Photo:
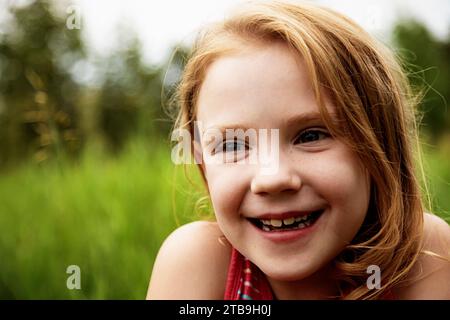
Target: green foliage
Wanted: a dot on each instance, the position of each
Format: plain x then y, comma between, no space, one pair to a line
44,111
37,95
428,62
130,99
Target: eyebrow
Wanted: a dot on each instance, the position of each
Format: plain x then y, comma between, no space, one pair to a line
294,120
303,118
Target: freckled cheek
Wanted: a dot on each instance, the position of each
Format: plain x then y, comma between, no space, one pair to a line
227,186
343,185
340,181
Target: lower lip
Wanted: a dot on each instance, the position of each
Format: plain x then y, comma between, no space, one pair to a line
288,235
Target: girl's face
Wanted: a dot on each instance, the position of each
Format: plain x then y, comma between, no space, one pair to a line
320,190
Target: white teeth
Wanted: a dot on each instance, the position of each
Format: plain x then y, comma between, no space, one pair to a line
276,223
304,221
302,218
288,221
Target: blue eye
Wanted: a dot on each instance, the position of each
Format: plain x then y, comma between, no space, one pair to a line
233,146
313,135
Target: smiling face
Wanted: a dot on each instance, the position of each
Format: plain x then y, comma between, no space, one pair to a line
267,87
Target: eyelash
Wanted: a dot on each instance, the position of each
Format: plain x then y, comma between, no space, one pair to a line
316,131
234,143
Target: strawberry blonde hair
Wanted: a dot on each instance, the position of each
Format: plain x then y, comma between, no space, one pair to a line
375,111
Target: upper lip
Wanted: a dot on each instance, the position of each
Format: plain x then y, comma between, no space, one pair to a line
284,215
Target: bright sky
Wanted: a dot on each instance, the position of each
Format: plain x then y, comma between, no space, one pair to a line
159,24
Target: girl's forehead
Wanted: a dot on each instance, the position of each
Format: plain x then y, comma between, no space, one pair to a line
261,85
255,67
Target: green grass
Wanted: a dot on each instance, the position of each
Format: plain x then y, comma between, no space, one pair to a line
109,216
437,169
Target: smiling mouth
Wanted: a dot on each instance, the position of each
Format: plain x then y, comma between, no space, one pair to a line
277,225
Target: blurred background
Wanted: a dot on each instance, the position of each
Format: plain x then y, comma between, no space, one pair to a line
85,172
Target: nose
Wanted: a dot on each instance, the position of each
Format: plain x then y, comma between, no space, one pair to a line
287,179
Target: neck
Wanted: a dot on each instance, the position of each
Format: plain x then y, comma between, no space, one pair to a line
319,285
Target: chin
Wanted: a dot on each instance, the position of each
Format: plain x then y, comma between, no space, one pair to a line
294,273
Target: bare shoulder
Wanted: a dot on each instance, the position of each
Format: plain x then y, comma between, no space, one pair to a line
192,263
430,276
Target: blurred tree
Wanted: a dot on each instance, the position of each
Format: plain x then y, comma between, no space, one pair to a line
130,98
135,98
428,61
37,94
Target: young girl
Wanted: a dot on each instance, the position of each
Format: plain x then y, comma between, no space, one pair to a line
342,217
